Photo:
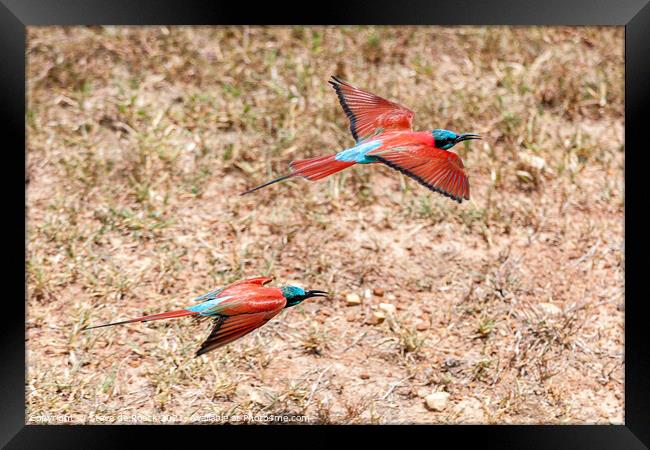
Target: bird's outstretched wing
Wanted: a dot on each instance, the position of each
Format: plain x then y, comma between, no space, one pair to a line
439,170
228,329
368,112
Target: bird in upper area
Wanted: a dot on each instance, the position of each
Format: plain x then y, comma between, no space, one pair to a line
383,134
237,309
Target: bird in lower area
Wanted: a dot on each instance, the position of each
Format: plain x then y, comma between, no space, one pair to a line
237,309
383,134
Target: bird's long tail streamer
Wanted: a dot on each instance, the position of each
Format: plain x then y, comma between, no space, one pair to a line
313,169
167,315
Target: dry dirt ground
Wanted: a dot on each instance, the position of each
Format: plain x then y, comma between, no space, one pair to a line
140,139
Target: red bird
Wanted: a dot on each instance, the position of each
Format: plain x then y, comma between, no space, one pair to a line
237,309
383,134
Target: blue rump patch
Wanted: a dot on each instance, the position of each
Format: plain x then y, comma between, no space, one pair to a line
207,308
358,153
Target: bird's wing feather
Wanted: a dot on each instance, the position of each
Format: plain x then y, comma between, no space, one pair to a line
260,281
233,303
209,295
228,329
368,112
439,170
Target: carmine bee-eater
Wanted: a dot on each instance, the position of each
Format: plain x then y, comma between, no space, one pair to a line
237,309
383,134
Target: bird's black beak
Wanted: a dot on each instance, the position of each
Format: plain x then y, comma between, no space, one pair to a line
315,293
467,137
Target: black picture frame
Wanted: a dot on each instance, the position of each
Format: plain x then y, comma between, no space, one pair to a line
16,15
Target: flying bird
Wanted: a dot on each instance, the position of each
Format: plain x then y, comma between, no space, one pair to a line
236,309
383,134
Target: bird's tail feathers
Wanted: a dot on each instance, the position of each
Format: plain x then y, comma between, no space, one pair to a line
167,315
277,180
320,167
313,169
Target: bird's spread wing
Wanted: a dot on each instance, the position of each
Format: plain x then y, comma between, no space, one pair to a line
227,329
368,112
439,170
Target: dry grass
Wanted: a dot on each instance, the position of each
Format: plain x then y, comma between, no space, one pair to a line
140,139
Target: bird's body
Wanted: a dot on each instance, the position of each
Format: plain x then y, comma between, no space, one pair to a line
237,309
383,134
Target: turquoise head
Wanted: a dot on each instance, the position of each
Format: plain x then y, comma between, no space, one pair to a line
445,139
296,295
